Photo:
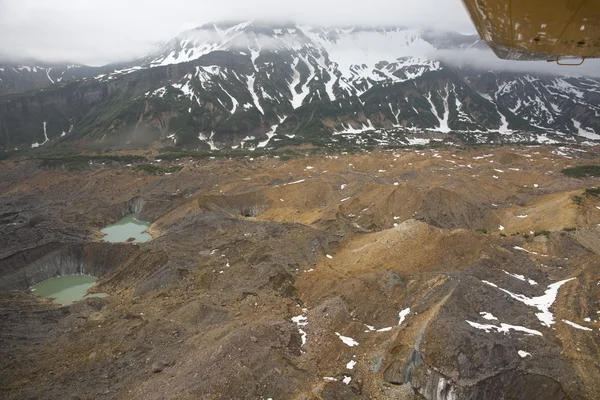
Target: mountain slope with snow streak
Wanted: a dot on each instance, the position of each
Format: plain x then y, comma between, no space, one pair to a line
339,86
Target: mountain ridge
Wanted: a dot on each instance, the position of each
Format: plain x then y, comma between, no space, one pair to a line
256,85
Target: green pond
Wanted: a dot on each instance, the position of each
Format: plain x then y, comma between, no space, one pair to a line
67,289
127,228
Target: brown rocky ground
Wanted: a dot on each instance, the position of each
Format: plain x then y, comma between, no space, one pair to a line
347,242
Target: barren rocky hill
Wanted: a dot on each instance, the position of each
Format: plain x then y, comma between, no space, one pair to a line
450,273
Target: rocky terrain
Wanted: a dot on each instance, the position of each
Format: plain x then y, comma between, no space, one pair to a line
449,273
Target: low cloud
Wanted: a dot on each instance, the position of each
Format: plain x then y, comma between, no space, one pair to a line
96,32
486,60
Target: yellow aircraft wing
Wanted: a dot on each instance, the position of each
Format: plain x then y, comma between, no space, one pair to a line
538,29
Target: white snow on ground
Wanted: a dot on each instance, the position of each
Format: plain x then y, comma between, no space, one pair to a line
488,316
233,100
525,250
46,140
303,337
45,134
244,140
347,340
522,216
347,379
560,153
564,86
209,140
270,135
542,303
48,74
524,354
371,328
504,129
311,75
298,98
444,128
189,92
589,134
504,328
402,315
329,86
417,141
293,183
296,101
501,228
545,139
349,130
370,48
254,95
521,278
351,364
328,256
254,55
115,73
160,92
574,325
301,320
329,378
345,199
187,54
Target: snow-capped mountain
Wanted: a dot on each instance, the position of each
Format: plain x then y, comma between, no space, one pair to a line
263,85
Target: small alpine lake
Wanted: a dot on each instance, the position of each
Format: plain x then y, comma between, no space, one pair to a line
66,290
126,229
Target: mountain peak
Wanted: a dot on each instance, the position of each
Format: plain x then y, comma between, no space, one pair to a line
257,83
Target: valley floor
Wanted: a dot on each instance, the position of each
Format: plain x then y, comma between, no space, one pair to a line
410,274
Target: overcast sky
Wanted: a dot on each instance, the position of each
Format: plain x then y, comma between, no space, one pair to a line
100,31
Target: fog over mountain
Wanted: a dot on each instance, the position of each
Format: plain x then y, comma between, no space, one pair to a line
98,32
485,59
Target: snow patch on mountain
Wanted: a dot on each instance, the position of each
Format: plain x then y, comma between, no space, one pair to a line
542,303
255,98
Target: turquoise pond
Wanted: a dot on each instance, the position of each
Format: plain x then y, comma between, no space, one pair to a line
126,228
66,290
